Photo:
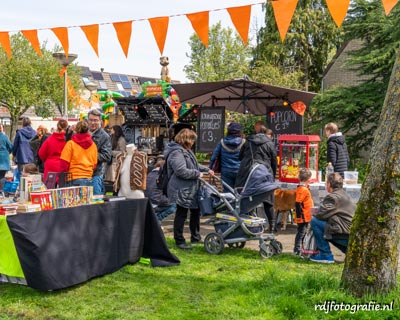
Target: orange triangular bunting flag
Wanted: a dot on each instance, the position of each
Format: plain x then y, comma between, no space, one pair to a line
5,43
62,35
160,29
388,5
92,34
338,10
124,31
199,23
62,71
284,11
240,17
32,37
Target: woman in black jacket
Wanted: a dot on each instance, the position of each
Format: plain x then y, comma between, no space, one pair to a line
259,149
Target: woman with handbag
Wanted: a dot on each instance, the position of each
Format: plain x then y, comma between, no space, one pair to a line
183,172
225,158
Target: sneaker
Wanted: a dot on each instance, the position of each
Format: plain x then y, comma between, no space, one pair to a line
184,246
322,259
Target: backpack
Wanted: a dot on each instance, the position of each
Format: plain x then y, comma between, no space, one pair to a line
162,179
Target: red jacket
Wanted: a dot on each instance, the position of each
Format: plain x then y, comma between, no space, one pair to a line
50,152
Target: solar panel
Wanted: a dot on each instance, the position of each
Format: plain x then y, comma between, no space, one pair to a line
126,85
123,78
97,75
115,77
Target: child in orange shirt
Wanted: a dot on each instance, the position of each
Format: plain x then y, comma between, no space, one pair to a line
304,203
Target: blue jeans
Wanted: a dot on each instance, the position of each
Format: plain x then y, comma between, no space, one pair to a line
82,182
229,178
163,212
98,184
318,227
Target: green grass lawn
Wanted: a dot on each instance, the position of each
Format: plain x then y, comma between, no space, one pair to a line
235,285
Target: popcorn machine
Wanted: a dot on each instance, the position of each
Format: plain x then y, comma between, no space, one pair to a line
295,152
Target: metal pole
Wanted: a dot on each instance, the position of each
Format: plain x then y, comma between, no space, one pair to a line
65,96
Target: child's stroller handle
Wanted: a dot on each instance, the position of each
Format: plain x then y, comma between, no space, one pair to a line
227,186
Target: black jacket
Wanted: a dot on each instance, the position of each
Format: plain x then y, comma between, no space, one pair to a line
337,152
257,149
104,152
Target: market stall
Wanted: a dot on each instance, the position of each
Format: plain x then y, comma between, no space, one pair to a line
56,249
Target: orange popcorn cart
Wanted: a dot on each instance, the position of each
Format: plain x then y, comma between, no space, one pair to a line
295,152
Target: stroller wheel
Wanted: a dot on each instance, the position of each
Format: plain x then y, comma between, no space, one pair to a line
277,245
237,245
214,243
266,250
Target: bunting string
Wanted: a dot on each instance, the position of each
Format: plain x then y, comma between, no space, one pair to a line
240,16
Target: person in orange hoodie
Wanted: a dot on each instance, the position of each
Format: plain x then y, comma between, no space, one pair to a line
304,203
79,156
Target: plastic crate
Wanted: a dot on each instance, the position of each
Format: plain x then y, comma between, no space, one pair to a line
10,186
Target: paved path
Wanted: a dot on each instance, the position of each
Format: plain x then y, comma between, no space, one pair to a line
286,237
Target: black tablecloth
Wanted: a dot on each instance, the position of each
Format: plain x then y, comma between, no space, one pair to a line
64,247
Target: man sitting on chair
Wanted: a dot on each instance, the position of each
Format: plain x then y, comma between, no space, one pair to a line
333,220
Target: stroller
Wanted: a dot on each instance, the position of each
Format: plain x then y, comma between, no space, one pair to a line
235,221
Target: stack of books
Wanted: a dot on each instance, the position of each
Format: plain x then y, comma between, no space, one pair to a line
28,207
97,199
114,198
8,209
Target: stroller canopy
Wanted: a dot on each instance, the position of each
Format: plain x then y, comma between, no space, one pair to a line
259,181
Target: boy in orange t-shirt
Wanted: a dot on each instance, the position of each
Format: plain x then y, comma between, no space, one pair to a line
304,203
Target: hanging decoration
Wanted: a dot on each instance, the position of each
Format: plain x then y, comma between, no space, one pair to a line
388,5
240,16
284,11
32,37
338,10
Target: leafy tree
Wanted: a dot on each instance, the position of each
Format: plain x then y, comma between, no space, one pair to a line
357,108
226,57
29,80
311,38
372,257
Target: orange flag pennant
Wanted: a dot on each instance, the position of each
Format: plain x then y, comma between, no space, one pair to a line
62,71
338,10
32,37
124,31
388,5
160,28
5,43
92,34
62,35
240,17
284,11
199,21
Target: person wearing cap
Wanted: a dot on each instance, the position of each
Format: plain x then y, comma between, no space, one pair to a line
227,152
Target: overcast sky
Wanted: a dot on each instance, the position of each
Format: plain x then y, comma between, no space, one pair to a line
143,59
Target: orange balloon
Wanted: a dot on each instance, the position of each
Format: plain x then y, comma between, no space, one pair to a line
299,107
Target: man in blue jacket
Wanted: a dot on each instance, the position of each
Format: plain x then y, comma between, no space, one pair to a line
22,151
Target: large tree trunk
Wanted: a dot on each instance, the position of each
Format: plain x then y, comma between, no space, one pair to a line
373,252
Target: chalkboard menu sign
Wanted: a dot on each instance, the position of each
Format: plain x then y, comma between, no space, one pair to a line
131,115
156,112
284,121
210,128
141,110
